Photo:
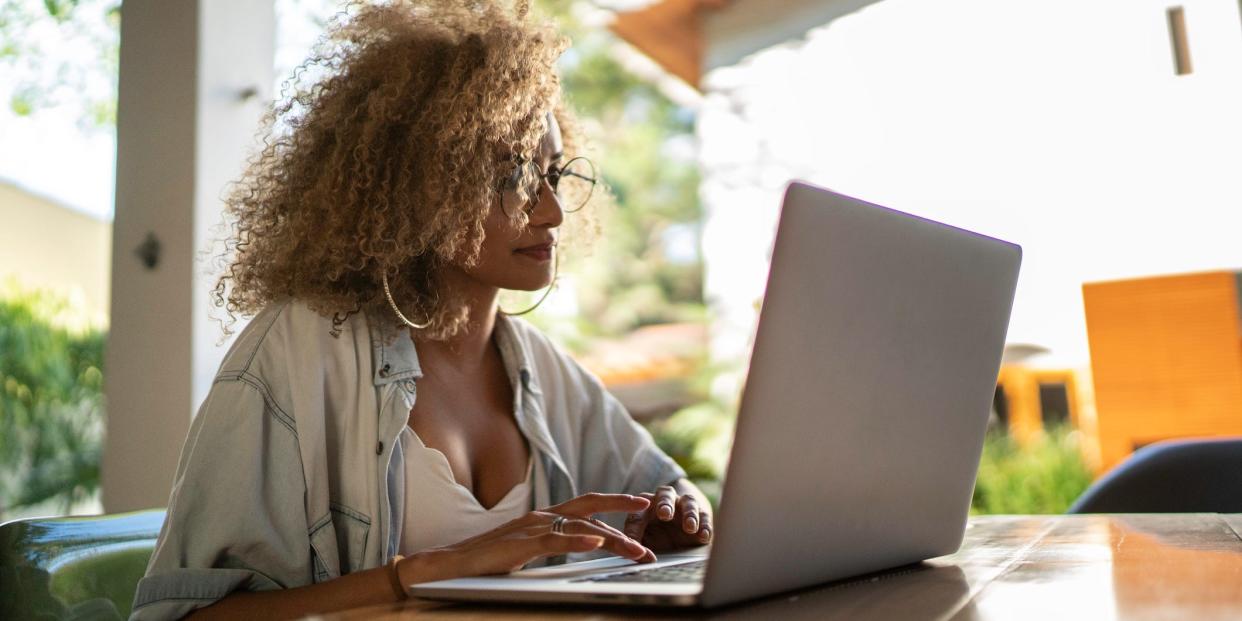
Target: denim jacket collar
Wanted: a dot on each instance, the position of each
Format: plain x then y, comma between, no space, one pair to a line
517,358
395,358
392,351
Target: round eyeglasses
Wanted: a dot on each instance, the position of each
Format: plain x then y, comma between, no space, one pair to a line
574,182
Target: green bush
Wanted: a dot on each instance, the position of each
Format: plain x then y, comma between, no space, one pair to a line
1045,477
51,402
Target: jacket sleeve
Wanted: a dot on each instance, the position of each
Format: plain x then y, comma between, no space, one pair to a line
236,516
616,453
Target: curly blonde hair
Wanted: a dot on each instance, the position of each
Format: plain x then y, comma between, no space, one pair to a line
387,162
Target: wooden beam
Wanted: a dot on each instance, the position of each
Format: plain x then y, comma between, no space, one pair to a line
669,32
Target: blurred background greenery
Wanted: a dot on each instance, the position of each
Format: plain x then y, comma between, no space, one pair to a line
642,265
1043,477
643,270
51,404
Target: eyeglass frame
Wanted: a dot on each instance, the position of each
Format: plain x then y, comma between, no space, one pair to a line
556,172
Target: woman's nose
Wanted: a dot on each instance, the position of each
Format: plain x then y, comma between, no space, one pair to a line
547,209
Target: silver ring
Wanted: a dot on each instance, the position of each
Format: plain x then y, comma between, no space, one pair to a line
558,524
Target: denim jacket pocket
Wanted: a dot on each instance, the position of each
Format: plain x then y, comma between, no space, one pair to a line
338,542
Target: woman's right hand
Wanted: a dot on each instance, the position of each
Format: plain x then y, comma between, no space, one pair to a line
529,537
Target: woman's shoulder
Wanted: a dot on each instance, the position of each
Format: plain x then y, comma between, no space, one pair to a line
291,330
543,357
534,345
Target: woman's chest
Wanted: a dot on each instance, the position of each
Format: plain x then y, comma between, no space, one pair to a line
476,432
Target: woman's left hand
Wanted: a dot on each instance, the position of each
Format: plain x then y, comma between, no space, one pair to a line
678,517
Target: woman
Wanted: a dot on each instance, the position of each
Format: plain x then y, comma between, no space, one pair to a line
380,421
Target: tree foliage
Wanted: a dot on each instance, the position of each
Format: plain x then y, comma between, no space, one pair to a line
644,266
51,403
42,44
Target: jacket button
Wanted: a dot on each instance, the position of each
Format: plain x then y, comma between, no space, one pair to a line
384,371
379,448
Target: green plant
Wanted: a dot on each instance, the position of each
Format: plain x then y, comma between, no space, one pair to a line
51,401
1044,477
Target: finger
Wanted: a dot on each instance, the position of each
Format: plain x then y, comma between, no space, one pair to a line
586,505
647,557
665,503
636,524
614,540
526,549
688,511
705,527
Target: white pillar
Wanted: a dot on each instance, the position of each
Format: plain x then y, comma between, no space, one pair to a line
194,78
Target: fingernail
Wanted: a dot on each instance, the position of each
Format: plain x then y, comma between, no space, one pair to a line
692,525
665,512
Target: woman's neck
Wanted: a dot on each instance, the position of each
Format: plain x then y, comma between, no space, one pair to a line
468,348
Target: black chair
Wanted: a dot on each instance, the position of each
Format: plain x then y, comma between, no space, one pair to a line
1176,476
74,567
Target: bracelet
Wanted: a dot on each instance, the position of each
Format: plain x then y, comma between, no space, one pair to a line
395,579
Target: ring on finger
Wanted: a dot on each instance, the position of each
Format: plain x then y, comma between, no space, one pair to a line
558,524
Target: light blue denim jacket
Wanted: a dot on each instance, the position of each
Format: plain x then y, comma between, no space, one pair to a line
292,474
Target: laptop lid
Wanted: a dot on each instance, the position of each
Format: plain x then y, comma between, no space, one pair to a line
863,415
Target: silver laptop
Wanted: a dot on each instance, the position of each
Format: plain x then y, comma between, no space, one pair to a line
861,423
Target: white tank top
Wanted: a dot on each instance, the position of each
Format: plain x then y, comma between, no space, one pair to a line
438,510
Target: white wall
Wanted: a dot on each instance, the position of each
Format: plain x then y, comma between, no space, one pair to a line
46,244
182,133
1057,124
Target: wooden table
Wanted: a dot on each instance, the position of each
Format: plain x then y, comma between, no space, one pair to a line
1186,566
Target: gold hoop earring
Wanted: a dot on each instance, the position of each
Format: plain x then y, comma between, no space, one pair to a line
393,304
556,273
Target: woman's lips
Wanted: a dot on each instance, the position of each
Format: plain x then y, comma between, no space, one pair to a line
540,252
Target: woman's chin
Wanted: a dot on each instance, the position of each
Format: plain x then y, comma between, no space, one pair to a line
531,286
531,283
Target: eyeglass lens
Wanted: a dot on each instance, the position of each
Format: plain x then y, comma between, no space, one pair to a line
573,182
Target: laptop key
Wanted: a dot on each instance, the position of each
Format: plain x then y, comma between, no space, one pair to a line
688,572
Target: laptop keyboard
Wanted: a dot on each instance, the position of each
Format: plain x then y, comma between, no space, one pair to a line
687,572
